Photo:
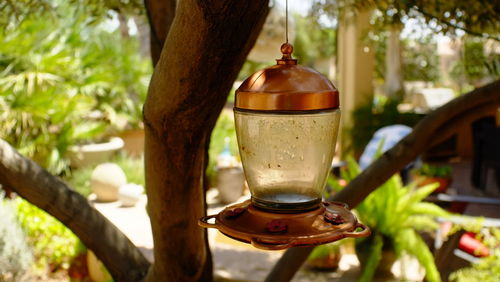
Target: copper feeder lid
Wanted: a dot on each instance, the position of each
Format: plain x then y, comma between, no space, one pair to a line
287,86
244,222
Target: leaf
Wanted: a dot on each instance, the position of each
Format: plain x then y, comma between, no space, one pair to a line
352,171
408,240
421,223
374,256
428,209
416,195
88,130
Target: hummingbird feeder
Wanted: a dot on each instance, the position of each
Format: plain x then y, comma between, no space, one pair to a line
287,119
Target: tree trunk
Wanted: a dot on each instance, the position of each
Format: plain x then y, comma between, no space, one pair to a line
124,261
204,50
393,85
433,129
160,14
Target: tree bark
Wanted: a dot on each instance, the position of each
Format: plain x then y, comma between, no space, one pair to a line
434,128
204,50
160,14
124,261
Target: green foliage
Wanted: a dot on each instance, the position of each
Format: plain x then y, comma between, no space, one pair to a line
313,41
420,61
374,257
397,213
223,128
478,18
475,62
473,59
79,180
133,168
15,255
488,268
15,12
53,243
368,118
434,170
65,81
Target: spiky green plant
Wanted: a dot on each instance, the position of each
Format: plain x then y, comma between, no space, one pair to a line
397,213
53,243
64,80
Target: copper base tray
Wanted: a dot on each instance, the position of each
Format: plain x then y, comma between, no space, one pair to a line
330,222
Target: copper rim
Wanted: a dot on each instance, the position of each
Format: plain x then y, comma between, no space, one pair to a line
271,231
287,101
287,86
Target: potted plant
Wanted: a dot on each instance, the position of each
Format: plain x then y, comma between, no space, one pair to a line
428,174
94,153
488,265
395,214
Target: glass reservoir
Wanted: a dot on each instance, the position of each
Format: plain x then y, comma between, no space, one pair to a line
287,118
287,157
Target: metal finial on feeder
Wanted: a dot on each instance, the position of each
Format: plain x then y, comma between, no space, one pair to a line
286,59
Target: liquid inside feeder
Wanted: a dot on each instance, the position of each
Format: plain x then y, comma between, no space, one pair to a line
287,157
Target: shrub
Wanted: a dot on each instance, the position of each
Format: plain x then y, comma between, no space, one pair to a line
64,81
15,254
54,245
434,171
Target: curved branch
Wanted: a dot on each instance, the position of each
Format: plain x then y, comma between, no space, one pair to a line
434,127
455,26
422,136
124,260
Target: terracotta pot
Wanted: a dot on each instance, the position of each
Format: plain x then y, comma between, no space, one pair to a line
133,141
230,183
444,182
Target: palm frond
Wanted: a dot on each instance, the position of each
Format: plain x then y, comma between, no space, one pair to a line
421,223
428,209
416,195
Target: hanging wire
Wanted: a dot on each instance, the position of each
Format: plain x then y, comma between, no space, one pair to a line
286,21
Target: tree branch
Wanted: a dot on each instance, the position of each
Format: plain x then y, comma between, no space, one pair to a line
435,126
160,14
124,260
455,26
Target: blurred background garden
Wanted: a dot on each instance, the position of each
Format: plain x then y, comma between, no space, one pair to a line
74,77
